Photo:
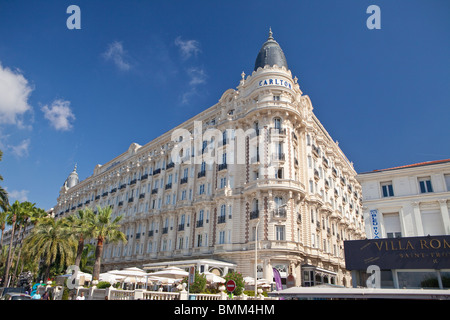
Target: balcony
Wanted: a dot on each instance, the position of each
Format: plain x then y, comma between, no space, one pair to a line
123,186
316,174
104,194
221,219
278,157
97,197
150,233
184,180
315,150
199,224
156,171
142,196
279,213
120,203
133,182
201,174
113,190
325,162
222,166
130,200
181,227
155,191
254,214
170,165
144,177
165,230
169,186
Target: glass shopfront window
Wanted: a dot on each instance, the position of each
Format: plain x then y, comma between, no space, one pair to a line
445,278
418,279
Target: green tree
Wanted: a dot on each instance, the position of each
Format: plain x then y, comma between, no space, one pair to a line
199,284
4,203
238,279
104,229
13,212
3,216
51,243
81,228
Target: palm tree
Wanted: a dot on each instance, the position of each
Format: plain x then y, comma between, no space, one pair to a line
104,229
50,241
29,214
4,203
3,216
80,227
13,212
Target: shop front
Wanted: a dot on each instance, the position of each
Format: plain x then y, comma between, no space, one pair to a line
401,263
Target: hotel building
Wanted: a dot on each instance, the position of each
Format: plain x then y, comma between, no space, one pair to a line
257,168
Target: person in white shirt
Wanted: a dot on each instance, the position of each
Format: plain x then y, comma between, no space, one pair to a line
81,296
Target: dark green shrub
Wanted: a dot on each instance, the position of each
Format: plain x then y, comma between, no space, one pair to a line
238,279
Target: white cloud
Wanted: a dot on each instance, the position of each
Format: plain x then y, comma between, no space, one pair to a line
14,94
188,47
116,54
21,195
21,150
59,114
197,77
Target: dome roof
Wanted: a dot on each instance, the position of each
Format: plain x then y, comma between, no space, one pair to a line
270,54
72,180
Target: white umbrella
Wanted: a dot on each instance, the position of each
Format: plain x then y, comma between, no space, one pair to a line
111,278
161,280
211,277
129,273
132,275
171,272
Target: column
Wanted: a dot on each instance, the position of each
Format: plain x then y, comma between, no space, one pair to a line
445,215
417,219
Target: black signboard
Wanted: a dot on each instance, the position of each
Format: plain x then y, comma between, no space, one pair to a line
431,252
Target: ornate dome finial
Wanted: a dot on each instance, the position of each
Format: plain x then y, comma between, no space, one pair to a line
270,54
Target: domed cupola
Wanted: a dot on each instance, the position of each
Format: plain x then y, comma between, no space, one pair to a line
270,54
72,180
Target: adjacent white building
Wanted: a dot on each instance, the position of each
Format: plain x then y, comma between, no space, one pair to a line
407,201
255,169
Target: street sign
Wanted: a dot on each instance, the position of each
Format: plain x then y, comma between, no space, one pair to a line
230,285
191,275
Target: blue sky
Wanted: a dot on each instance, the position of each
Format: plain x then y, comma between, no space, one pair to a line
136,69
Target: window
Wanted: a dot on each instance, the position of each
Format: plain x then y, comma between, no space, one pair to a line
221,237
202,189
447,181
432,222
279,233
276,98
277,123
223,182
392,225
387,189
425,185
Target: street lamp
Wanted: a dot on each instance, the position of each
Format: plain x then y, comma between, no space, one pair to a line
256,256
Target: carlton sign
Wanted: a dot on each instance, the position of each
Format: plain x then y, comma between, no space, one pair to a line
275,82
431,252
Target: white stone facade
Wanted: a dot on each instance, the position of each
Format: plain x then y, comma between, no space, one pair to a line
410,201
286,175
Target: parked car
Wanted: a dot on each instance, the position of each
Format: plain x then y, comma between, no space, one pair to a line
16,296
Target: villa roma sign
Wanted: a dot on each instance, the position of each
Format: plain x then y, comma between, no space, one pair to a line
432,252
